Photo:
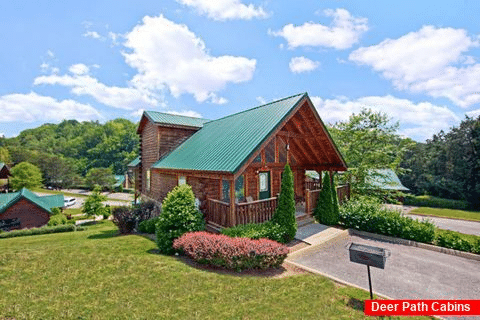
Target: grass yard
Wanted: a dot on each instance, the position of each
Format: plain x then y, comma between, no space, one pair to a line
447,213
96,274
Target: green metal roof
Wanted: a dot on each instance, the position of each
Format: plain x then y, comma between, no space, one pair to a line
173,119
385,179
135,162
44,202
119,179
225,144
1,165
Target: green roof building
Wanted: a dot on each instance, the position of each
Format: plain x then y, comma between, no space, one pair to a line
29,209
235,159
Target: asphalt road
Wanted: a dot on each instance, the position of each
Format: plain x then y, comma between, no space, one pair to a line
463,226
410,272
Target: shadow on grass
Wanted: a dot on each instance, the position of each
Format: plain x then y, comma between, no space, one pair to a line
268,273
356,304
104,234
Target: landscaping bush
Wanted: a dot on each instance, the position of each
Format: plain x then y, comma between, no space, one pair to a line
42,230
56,211
146,210
284,215
268,229
148,226
129,218
429,201
368,215
57,219
231,253
325,211
179,215
124,219
457,241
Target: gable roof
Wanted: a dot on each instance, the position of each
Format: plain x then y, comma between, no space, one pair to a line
225,144
135,162
385,179
4,171
119,179
44,202
173,119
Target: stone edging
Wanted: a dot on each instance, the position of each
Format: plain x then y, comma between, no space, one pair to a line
421,245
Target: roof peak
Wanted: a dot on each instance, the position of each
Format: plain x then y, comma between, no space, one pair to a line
175,115
260,106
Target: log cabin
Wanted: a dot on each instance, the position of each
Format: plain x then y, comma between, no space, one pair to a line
234,164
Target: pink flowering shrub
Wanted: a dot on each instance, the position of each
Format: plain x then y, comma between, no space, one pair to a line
231,253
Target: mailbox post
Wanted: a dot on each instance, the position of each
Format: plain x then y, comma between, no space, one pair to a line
370,256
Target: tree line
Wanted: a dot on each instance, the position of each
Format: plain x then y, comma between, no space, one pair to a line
69,152
447,165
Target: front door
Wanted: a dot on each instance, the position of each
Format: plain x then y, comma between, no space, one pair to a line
264,185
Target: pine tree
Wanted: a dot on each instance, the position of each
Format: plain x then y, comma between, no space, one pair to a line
324,211
285,213
336,209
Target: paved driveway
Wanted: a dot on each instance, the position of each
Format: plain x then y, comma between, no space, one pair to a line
410,272
463,226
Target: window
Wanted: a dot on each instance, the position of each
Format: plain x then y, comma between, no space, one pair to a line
270,152
282,151
147,181
240,189
226,191
263,176
182,180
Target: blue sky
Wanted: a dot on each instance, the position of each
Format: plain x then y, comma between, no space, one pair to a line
418,61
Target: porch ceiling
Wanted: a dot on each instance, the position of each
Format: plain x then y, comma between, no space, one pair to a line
309,142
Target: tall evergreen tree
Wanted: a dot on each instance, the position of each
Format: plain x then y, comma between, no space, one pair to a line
324,211
285,213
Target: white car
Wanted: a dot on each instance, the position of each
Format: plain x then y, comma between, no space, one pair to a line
69,201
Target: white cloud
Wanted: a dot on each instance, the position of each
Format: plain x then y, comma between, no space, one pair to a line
79,69
128,98
92,34
473,113
186,113
50,54
44,67
261,100
425,62
34,107
302,64
222,10
343,33
417,120
169,55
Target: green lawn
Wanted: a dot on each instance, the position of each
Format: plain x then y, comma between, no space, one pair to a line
447,213
96,274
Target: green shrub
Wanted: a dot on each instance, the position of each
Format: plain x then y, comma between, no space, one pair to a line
284,215
106,211
368,215
56,211
57,219
148,226
326,210
42,230
268,229
430,201
179,215
457,241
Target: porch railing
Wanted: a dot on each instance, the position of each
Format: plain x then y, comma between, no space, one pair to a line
311,197
255,211
217,212
313,185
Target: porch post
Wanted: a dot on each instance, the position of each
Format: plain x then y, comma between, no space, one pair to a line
232,219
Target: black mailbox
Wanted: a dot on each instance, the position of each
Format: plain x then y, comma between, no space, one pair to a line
368,255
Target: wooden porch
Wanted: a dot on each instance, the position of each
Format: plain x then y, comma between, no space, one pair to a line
218,212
